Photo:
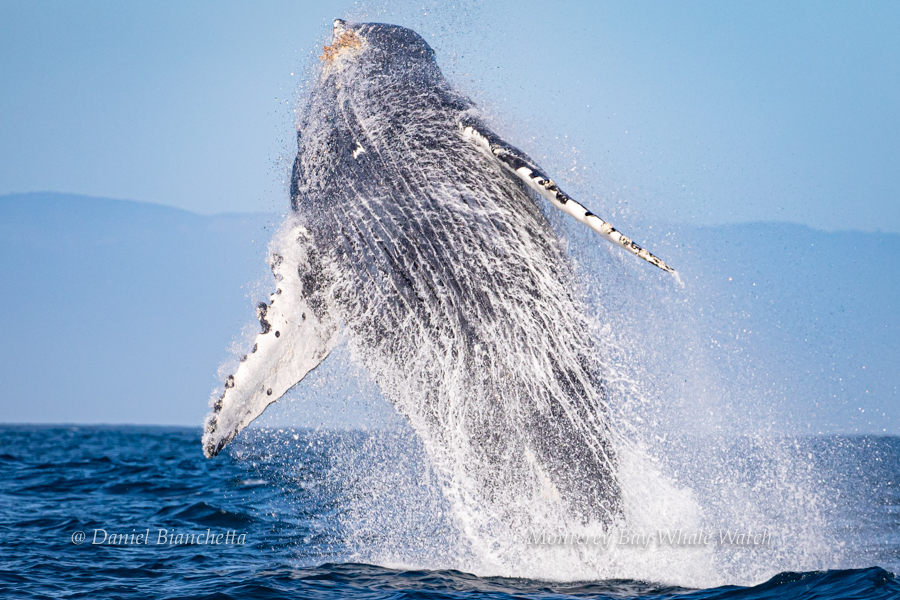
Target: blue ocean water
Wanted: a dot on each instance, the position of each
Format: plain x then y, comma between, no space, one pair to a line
294,514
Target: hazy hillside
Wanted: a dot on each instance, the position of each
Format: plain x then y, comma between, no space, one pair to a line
116,311
807,320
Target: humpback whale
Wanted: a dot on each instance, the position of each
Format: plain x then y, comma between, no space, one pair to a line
418,231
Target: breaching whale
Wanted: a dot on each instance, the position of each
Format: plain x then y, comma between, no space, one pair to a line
417,230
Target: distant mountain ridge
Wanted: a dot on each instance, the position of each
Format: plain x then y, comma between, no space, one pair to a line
116,311
814,316
128,305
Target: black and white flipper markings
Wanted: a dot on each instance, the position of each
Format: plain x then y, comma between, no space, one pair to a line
518,163
297,334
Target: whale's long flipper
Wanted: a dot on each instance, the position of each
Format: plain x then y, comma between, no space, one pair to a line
297,334
517,162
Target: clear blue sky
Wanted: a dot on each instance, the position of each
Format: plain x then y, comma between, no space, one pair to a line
711,112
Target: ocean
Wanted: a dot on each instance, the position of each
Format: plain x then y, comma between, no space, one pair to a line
137,512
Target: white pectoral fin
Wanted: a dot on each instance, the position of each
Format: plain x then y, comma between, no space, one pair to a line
297,335
519,164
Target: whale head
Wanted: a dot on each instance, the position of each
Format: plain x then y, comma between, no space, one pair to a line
377,48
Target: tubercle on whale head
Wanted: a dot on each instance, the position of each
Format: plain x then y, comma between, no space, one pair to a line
390,44
344,40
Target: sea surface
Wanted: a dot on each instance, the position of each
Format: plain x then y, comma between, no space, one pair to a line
298,514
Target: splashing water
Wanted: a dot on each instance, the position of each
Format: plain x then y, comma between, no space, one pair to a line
457,296
535,442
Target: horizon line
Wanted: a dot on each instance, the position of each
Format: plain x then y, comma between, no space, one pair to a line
283,213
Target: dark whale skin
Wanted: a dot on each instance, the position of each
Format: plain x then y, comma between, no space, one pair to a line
418,232
448,275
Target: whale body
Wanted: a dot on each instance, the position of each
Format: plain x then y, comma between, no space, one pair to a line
417,231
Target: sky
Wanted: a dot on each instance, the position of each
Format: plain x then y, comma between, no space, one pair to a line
701,113
677,112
